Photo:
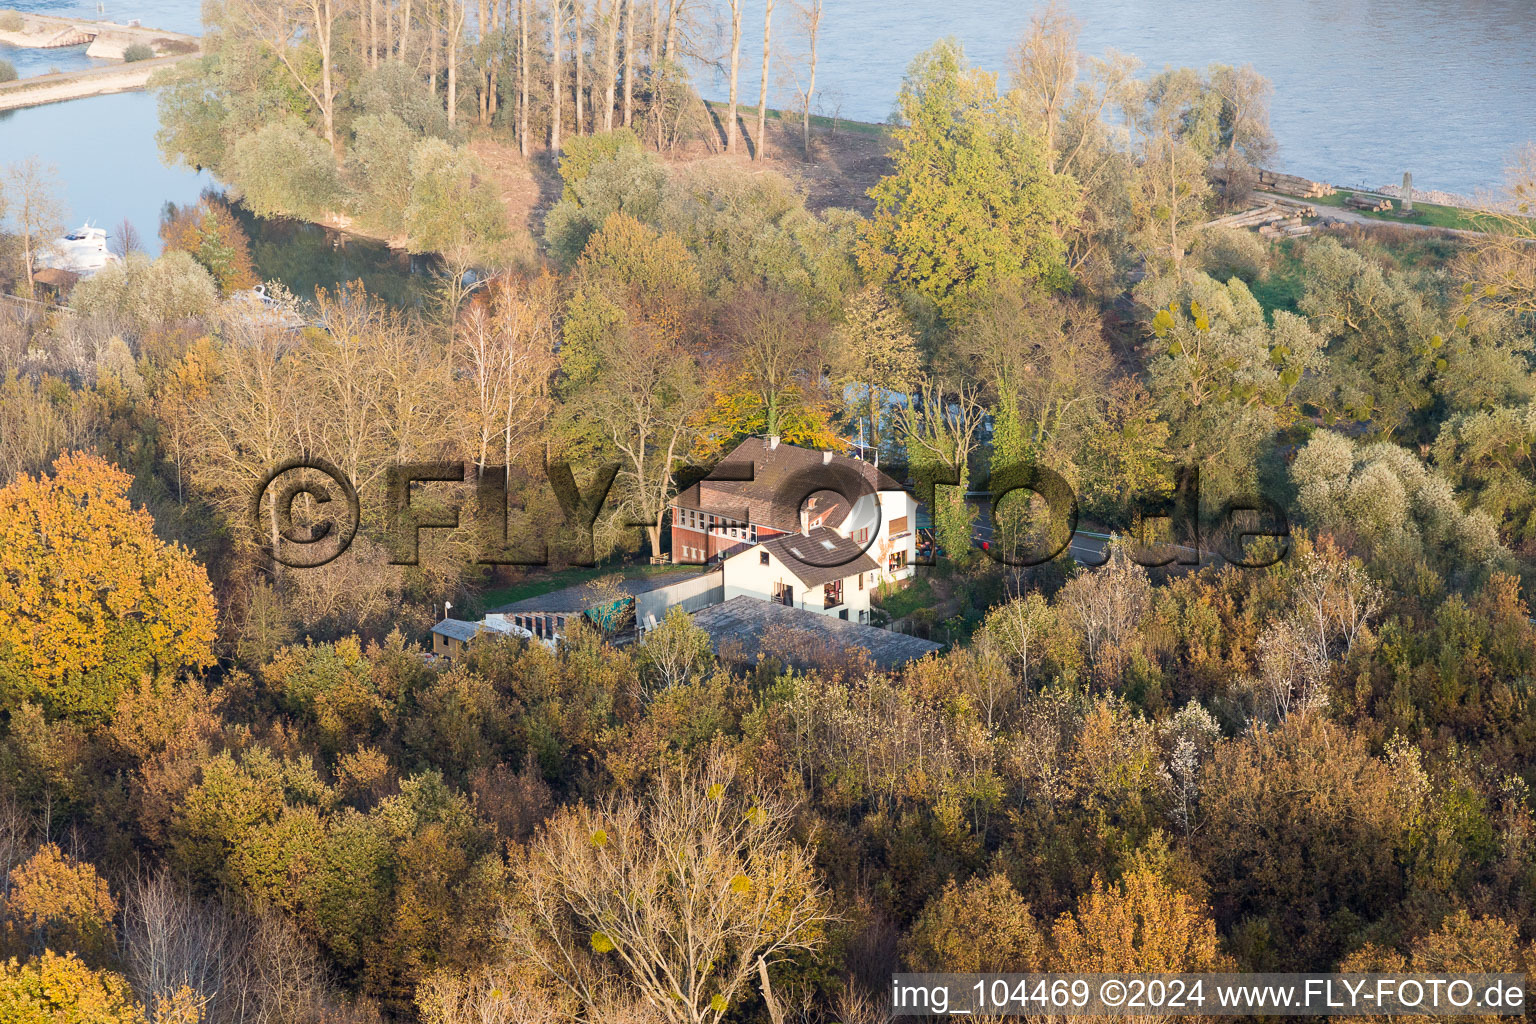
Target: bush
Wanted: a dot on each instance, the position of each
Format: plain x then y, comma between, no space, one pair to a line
284,170
11,21
7,71
1225,253
139,51
139,293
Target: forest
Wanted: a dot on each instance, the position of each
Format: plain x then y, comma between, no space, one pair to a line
235,791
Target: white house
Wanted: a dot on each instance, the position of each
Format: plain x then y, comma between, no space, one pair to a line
766,489
820,571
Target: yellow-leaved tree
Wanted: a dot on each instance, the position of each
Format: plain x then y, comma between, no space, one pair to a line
62,990
91,601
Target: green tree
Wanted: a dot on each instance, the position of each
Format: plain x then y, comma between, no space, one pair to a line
1224,377
453,208
971,200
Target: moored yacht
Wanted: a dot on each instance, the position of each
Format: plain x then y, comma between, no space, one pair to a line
82,251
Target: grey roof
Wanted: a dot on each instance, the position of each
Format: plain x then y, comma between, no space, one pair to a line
571,600
740,623
458,629
783,476
820,556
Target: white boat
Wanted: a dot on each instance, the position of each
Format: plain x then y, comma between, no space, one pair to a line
83,251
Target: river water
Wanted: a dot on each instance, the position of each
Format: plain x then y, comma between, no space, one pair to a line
1364,89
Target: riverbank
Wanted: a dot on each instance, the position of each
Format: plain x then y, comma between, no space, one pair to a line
75,85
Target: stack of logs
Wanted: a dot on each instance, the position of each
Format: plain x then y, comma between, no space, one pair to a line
1277,218
1361,201
1291,184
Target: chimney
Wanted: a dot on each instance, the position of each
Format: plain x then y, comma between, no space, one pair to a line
773,441
805,518
826,458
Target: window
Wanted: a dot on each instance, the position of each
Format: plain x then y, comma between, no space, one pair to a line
762,558
897,561
832,595
861,581
898,526
784,594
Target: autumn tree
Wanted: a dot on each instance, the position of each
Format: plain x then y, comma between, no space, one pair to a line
679,896
941,431
61,989
1289,812
209,232
62,901
90,599
983,926
1175,116
1140,924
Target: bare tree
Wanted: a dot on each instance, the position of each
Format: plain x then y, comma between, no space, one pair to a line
629,62
761,149
732,130
523,8
456,12
1107,605
1044,70
35,209
943,426
810,21
1499,267
556,70
579,17
126,239
611,64
676,896
506,351
644,400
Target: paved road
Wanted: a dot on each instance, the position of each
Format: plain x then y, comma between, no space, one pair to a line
1087,547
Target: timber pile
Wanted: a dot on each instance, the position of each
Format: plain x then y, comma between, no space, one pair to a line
1375,204
1272,212
1292,184
1299,206
1284,228
1257,217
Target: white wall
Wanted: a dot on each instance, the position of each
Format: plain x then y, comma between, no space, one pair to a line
746,576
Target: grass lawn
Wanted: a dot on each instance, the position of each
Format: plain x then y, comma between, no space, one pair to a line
1282,286
898,604
546,583
1424,214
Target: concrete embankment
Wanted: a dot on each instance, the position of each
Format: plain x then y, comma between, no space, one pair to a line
74,85
105,38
